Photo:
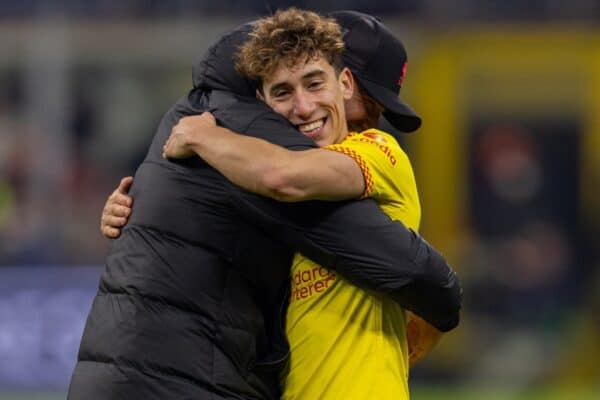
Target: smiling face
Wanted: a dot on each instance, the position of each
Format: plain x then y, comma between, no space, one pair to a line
311,96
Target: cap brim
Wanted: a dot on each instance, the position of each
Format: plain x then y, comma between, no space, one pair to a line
398,113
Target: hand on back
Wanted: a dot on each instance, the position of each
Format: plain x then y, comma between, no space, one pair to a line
186,132
117,209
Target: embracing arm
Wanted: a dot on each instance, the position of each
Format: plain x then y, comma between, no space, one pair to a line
264,168
367,248
364,246
356,238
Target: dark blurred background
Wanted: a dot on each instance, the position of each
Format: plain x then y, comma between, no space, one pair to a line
507,163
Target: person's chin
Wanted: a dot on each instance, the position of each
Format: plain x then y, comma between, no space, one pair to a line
325,136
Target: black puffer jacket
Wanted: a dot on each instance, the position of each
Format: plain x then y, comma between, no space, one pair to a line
190,303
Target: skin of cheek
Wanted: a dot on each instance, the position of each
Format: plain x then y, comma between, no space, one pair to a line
337,111
339,129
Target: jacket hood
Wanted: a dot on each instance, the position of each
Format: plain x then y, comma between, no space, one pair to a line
215,70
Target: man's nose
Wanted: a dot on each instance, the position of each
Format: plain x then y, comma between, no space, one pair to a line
303,105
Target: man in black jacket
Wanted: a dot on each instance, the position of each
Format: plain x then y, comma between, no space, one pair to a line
190,303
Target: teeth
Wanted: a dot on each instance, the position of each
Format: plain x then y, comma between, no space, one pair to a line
312,126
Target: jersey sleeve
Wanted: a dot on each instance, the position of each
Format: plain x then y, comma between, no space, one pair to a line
364,163
387,171
379,157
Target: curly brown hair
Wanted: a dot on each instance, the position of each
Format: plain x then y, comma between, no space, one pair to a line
290,36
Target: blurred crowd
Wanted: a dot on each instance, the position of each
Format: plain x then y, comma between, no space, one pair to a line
63,150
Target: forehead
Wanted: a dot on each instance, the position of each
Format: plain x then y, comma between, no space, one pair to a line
286,74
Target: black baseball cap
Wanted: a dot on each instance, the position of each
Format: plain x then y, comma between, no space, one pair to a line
378,61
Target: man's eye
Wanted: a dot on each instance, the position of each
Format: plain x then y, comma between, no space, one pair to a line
281,94
314,85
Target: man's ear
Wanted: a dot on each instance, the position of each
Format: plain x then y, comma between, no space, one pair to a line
259,95
346,80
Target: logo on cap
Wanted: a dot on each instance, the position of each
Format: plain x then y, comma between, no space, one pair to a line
403,75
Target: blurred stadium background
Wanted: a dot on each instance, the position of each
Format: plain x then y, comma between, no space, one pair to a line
507,161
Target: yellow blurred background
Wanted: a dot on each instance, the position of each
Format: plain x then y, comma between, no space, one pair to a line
507,163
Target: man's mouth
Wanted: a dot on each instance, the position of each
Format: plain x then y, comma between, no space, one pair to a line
312,129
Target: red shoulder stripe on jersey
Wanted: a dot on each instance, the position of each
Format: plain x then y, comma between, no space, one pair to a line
361,163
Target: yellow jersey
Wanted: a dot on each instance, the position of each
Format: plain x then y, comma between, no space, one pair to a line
348,343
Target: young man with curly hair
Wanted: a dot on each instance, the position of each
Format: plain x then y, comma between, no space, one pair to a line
345,342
